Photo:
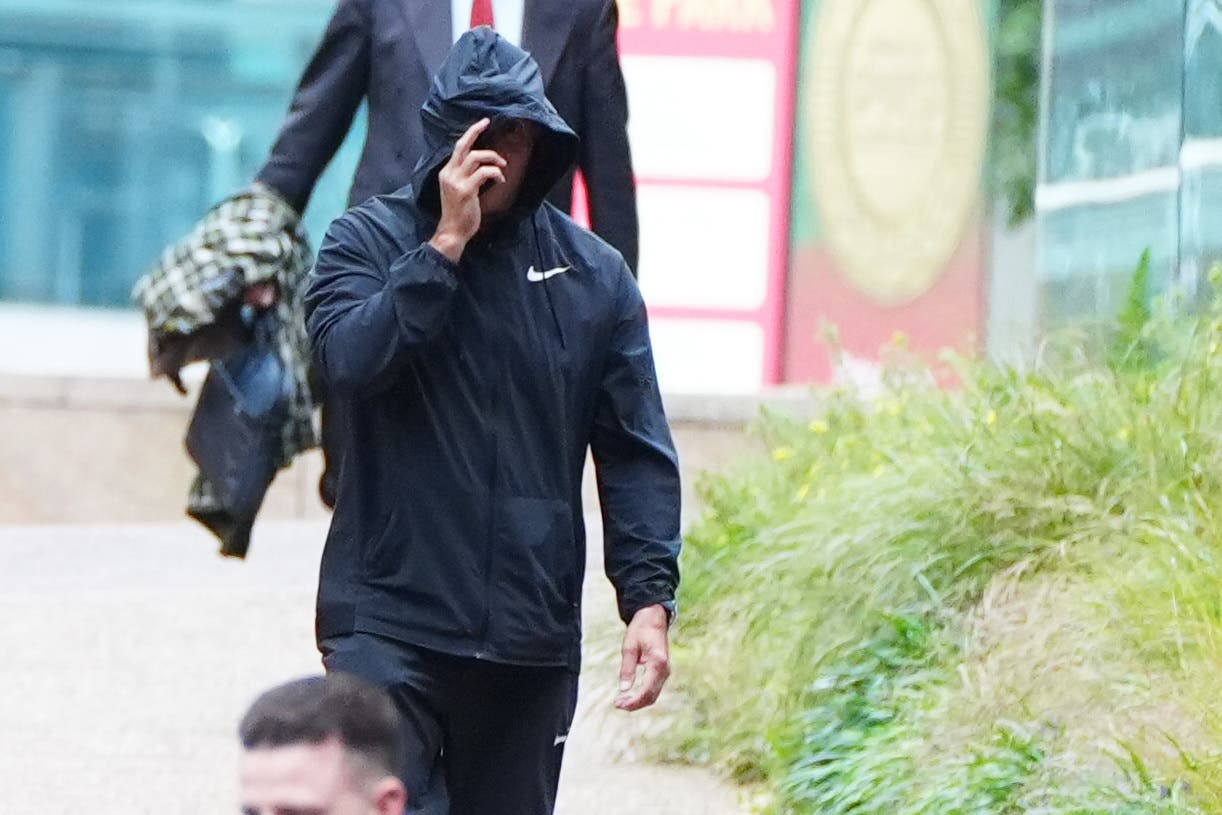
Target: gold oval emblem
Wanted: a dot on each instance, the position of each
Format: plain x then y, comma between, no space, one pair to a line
897,100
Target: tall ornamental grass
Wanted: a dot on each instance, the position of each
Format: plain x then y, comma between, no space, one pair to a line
997,597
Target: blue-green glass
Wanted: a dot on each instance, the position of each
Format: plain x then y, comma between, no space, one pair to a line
122,121
1201,159
1132,154
1112,129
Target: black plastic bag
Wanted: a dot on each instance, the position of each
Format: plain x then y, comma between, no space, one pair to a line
235,436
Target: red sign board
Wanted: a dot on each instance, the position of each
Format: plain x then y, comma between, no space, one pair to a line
711,87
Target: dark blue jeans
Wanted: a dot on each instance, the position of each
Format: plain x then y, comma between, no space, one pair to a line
482,738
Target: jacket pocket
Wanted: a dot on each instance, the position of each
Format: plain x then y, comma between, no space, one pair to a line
425,562
535,578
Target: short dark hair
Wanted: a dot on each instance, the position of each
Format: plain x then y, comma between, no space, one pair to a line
317,708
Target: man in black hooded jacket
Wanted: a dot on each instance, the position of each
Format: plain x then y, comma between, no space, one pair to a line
481,343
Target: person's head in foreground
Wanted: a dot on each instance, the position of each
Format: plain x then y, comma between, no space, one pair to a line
328,745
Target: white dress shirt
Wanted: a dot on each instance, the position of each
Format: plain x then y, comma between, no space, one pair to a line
506,15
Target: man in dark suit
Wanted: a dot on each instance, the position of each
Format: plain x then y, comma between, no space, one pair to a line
387,51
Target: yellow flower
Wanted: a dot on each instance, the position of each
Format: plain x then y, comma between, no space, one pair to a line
899,339
1123,434
991,418
782,453
803,491
819,427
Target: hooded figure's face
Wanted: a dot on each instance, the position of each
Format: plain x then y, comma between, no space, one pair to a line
487,77
514,140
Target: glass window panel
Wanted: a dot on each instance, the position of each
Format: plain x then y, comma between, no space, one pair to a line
1132,150
121,121
1113,125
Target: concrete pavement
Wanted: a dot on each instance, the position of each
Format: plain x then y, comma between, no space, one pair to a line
129,652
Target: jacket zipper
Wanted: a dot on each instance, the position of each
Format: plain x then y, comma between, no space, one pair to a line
493,493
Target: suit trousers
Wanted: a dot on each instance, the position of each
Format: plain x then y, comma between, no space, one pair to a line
483,738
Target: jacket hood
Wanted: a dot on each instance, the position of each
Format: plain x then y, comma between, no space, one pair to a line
485,75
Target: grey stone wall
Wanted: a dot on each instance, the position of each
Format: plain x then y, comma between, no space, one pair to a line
96,451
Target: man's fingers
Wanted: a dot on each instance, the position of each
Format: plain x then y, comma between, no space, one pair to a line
261,295
629,659
472,185
656,673
463,146
477,158
484,175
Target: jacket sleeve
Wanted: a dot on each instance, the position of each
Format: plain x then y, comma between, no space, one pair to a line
366,320
636,466
327,97
605,159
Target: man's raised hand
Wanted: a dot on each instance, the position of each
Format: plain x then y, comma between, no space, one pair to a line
461,180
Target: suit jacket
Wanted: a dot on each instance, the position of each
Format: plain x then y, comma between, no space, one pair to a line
387,51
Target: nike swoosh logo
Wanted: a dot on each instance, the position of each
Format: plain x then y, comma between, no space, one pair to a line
539,277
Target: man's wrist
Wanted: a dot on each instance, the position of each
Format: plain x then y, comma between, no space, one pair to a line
448,244
660,614
268,191
672,611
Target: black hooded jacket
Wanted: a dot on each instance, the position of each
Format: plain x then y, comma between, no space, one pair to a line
471,394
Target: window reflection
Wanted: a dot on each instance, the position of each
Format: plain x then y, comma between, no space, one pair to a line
1132,152
120,123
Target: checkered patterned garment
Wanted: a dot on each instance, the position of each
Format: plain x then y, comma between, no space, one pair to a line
251,238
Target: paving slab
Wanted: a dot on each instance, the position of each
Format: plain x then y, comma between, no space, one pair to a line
130,652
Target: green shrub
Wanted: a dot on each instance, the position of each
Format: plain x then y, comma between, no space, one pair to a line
840,591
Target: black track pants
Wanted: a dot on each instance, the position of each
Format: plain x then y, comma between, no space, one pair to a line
483,738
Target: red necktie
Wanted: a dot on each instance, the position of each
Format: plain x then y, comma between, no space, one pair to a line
481,13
